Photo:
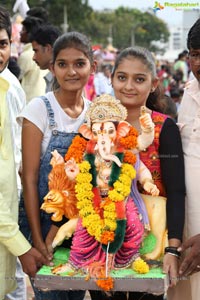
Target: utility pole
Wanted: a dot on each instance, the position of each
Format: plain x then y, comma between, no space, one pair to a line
110,38
133,30
65,24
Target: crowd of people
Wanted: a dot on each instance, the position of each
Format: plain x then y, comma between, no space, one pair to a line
46,90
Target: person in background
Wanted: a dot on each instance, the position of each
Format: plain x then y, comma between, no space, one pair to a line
51,122
169,107
38,12
102,80
31,77
89,91
12,242
181,69
13,66
135,83
176,95
42,43
189,123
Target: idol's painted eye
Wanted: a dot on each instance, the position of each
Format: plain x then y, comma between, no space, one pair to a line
94,133
111,131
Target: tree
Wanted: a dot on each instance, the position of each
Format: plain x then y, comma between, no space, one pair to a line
128,26
139,28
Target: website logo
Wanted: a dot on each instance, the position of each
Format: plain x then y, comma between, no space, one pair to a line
176,5
157,6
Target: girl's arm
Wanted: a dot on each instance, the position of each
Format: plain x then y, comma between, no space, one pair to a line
172,168
31,148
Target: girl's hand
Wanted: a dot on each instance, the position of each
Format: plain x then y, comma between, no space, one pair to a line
170,267
50,237
42,248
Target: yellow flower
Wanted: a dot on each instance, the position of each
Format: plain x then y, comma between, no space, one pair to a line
86,210
91,220
125,179
83,178
110,207
121,188
110,215
84,166
140,266
115,196
110,224
85,195
129,170
82,187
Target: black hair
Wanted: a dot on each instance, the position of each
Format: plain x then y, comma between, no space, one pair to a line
138,52
5,21
145,56
75,40
175,93
38,12
193,40
31,24
45,34
182,55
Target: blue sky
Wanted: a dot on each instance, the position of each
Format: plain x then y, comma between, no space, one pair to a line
169,14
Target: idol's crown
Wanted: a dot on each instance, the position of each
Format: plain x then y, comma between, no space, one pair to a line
105,108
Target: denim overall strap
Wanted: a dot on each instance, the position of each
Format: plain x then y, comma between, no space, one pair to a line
50,112
59,141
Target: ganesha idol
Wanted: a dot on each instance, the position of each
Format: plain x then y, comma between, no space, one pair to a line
95,187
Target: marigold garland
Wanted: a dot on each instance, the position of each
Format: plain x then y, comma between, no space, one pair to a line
130,141
101,228
129,158
76,149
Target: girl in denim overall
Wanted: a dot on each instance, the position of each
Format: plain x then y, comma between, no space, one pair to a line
50,122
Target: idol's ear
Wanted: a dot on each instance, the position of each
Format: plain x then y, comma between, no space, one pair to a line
123,129
85,131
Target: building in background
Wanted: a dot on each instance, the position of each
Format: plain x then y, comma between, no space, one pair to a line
178,35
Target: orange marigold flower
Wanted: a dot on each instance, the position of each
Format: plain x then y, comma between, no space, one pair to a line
105,283
133,131
106,201
129,158
130,141
107,236
77,149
